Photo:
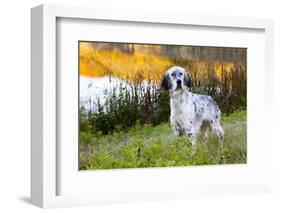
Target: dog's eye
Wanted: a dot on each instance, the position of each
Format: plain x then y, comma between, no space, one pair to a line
180,73
173,74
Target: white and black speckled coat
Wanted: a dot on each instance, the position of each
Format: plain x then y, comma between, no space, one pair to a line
190,113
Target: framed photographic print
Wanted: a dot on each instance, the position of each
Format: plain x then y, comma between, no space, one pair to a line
129,106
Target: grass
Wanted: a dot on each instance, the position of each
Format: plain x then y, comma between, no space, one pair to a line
156,146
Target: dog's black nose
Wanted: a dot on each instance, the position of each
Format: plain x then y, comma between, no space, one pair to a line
178,81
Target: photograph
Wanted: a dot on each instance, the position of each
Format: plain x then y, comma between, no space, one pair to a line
161,105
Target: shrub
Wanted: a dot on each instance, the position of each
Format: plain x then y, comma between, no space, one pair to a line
146,103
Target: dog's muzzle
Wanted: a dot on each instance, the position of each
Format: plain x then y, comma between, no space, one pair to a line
179,84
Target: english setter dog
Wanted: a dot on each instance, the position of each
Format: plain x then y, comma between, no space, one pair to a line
191,113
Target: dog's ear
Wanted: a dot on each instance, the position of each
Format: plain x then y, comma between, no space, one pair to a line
187,81
166,82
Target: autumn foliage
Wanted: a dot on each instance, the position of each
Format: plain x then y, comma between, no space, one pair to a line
136,66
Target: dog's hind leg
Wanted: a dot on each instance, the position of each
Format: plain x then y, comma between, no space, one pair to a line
206,133
217,129
205,130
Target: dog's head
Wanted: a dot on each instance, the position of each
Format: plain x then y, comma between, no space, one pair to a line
176,79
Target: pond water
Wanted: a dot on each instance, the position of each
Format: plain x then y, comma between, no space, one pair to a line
93,89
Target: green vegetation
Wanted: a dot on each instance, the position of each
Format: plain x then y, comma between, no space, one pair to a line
145,145
125,108
127,125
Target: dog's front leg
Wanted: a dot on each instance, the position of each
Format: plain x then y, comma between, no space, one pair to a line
190,133
177,132
192,139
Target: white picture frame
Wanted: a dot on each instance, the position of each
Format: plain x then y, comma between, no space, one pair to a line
45,179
